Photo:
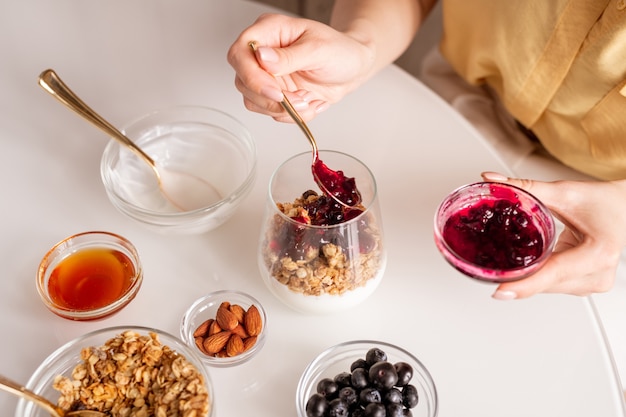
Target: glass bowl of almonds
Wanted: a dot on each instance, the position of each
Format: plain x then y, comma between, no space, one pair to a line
103,370
225,327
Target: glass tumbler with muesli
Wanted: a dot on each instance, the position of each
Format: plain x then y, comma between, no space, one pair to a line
316,254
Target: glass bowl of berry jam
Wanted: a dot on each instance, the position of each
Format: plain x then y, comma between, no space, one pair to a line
198,142
89,276
494,232
364,378
316,254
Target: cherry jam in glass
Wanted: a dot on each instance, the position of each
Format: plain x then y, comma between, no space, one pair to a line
494,232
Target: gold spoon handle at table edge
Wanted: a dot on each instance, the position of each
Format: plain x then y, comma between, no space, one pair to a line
293,113
52,83
17,389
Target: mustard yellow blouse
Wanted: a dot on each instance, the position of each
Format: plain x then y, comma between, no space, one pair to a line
559,67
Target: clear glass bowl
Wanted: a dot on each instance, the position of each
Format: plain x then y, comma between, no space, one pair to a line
115,276
321,269
201,141
509,244
338,359
205,308
65,359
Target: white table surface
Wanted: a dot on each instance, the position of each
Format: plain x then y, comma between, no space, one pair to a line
545,356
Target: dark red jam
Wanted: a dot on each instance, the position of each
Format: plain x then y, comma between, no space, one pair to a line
336,183
298,241
495,234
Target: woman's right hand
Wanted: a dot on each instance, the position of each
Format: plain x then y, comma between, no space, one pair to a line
313,64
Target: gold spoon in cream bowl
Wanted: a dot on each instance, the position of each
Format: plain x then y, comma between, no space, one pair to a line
21,391
183,190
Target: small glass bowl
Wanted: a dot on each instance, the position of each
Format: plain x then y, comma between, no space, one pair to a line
67,357
466,198
205,308
338,359
204,142
96,265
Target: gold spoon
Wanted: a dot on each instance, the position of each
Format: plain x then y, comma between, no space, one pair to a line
21,391
185,191
332,183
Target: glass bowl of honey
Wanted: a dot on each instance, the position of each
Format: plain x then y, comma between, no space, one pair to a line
89,275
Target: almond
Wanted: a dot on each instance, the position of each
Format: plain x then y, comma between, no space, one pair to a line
240,331
252,321
234,346
248,343
216,342
214,328
238,311
203,329
199,343
225,318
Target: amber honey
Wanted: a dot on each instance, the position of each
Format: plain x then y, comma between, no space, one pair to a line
90,279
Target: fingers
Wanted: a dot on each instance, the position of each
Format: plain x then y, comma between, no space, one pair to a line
563,273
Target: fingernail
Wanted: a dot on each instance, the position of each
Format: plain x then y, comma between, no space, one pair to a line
322,107
272,93
267,54
504,295
494,176
300,104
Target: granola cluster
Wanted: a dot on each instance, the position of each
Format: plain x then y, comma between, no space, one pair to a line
316,261
134,375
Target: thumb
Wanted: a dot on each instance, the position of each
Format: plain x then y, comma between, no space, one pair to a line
541,190
283,61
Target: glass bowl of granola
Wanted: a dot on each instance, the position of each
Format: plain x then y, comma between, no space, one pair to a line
125,364
315,254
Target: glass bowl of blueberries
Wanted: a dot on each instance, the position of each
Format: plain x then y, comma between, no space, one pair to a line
494,232
366,378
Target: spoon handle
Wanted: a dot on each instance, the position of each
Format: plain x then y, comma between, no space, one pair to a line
293,113
301,124
19,390
53,84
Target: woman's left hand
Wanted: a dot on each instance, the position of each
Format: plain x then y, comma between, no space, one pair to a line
587,251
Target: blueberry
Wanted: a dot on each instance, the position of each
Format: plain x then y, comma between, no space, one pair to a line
359,378
405,373
409,396
359,363
349,395
383,375
374,410
394,410
328,388
369,395
316,406
337,408
357,412
394,395
343,379
375,355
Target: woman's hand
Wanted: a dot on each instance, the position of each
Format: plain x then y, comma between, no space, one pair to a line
587,251
313,64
